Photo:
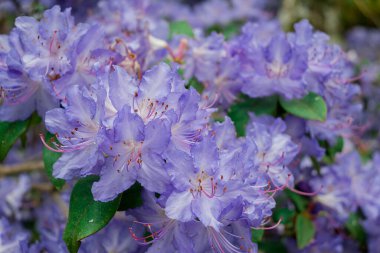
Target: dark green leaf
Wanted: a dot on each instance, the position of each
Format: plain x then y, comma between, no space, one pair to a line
9,133
311,107
50,158
337,148
131,198
239,113
305,231
193,82
228,30
299,201
285,214
271,246
86,216
180,27
240,118
257,235
355,229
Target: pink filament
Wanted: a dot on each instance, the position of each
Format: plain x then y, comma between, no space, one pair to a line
269,228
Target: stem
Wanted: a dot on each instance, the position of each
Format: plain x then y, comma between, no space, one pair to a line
43,187
6,170
366,11
61,204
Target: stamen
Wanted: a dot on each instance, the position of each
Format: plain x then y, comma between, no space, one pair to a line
309,194
269,228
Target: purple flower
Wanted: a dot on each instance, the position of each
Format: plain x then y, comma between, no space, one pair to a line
371,227
44,46
328,75
277,68
133,152
339,185
163,233
78,129
50,222
39,52
275,149
12,194
115,237
206,182
12,237
152,97
188,121
365,41
210,61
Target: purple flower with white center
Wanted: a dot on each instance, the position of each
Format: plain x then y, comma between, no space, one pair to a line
78,128
159,95
226,84
275,149
278,68
44,46
19,95
204,186
188,121
236,237
210,61
151,98
39,52
133,151
89,59
135,31
203,57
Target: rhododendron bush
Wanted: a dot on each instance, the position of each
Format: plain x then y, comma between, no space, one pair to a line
166,126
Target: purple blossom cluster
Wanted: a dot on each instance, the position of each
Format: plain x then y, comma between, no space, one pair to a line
116,93
349,185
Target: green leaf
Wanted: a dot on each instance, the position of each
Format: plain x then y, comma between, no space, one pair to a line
257,235
311,107
271,246
337,148
50,158
86,216
285,214
228,30
239,112
305,231
9,133
299,201
240,118
131,198
193,82
355,229
180,27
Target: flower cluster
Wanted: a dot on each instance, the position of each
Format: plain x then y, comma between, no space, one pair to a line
136,98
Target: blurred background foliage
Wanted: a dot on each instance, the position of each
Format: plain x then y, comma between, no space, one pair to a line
335,17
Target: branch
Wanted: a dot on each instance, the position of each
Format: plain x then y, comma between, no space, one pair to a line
6,170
